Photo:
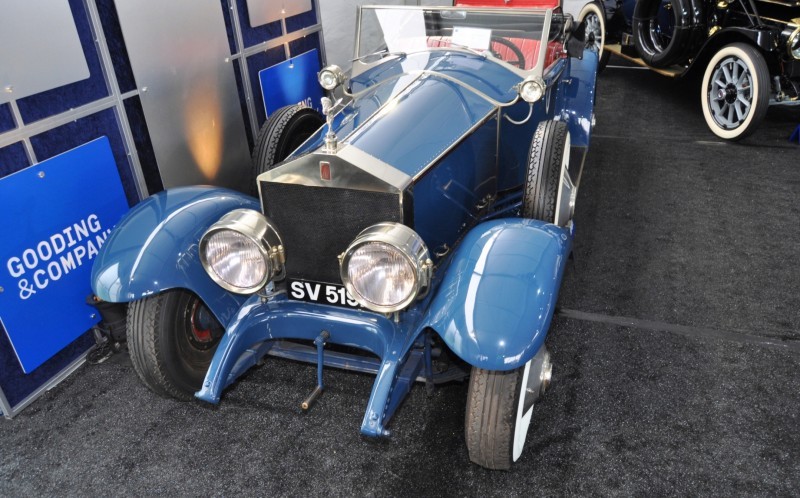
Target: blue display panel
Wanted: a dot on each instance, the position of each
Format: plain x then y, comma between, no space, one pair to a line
61,211
6,119
292,82
255,63
13,159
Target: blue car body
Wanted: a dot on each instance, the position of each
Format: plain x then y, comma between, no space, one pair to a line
458,165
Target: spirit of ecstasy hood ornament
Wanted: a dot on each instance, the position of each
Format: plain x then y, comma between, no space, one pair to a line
328,110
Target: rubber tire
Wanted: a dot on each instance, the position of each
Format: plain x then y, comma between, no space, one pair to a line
759,73
596,9
283,132
645,14
543,177
491,415
154,342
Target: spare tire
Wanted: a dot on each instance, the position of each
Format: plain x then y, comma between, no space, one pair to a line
665,31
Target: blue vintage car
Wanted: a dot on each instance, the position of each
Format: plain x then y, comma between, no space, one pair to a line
418,230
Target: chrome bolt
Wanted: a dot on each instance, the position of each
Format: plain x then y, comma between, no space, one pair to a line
41,174
8,89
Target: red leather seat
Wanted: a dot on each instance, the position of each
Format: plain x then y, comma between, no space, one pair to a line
528,47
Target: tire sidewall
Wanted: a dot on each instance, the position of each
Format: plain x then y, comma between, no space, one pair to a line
594,8
543,178
744,53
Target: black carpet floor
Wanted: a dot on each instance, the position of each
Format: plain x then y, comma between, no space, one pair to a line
676,355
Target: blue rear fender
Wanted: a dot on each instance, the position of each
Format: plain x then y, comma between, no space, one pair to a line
497,297
155,248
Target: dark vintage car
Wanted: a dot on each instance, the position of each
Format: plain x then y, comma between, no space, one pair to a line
747,50
419,230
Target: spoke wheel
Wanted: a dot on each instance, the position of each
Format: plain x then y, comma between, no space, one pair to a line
735,91
594,18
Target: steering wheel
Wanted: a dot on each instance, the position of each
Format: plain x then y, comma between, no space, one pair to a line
520,61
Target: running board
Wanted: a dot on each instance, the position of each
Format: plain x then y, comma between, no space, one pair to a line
672,71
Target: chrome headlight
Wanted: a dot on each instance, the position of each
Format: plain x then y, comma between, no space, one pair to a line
330,77
386,267
793,44
242,252
532,89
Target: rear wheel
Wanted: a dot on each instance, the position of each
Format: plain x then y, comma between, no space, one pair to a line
283,132
593,16
735,91
172,337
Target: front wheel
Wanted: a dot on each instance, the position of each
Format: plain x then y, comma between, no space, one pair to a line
171,338
549,194
735,91
499,410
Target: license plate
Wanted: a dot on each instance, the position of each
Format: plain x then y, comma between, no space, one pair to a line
322,293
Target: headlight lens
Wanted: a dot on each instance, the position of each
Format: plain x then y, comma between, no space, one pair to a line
793,44
242,252
531,90
386,267
330,77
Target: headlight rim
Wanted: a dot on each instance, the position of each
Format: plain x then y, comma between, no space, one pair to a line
338,75
532,80
794,37
255,227
408,244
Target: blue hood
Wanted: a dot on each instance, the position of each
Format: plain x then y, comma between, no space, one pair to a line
421,115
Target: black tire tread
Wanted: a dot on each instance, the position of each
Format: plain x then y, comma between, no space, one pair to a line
491,411
544,171
271,138
143,334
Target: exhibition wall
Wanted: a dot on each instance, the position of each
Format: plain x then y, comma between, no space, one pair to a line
171,90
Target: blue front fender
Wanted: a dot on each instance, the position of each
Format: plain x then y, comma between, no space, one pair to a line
494,305
155,248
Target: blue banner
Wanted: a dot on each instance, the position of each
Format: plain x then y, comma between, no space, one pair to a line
56,215
292,82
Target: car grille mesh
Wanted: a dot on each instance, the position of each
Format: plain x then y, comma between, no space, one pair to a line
318,223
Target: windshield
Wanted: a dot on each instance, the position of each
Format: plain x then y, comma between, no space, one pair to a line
527,39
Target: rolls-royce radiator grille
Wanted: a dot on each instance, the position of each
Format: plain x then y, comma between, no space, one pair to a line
318,223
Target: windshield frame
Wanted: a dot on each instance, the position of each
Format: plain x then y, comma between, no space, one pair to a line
360,66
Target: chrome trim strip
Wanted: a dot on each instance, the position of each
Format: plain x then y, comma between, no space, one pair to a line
374,166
